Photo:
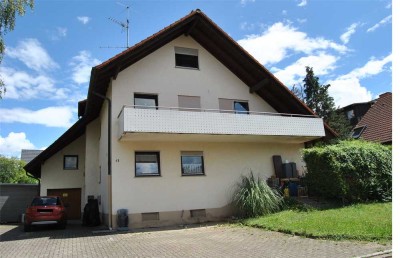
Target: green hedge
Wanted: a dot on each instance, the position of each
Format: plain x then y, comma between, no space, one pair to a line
353,170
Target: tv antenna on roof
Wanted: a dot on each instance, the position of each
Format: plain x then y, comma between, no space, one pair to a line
124,25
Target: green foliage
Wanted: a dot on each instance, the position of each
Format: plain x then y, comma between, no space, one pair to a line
253,197
354,170
367,222
316,96
8,10
340,124
12,171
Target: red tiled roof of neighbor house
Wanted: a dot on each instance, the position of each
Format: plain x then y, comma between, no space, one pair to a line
378,120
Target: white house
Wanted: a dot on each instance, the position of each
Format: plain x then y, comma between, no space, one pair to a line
190,112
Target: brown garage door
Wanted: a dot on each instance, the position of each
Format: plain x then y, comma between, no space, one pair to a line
71,198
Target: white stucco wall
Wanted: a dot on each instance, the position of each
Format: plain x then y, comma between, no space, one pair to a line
157,74
223,163
55,177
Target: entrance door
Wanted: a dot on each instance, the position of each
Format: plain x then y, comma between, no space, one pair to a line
71,198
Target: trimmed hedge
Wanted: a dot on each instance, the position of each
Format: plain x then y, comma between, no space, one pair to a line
357,171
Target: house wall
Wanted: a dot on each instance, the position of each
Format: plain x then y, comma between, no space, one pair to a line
157,74
172,194
55,177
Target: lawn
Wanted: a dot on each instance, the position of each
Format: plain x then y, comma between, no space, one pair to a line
369,222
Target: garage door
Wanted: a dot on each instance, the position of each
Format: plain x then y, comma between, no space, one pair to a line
71,198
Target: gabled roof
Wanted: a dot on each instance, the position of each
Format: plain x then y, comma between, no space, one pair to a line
202,29
378,120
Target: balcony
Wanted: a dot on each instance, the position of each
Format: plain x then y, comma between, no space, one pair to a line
177,124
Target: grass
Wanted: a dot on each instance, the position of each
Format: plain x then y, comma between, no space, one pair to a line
366,222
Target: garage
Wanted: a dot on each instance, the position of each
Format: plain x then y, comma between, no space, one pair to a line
72,200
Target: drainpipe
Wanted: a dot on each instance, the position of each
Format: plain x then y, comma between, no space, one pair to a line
109,159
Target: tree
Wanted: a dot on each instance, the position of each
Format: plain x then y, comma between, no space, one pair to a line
12,171
8,10
317,97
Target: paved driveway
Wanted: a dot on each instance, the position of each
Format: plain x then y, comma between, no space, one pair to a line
198,241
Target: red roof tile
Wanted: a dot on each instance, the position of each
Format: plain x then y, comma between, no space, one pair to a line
378,120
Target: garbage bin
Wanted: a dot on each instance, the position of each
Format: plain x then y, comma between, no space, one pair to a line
122,219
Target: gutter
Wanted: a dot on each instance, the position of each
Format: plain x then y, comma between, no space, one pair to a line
109,159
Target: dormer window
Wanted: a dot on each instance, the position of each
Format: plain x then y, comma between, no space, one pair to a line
358,131
186,57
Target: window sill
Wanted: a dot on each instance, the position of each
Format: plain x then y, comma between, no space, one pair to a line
188,68
147,175
184,175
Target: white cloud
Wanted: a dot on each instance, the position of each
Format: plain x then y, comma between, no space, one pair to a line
302,20
50,116
389,5
381,23
284,12
302,3
372,67
83,19
12,144
82,65
22,86
345,37
32,54
276,41
294,74
347,89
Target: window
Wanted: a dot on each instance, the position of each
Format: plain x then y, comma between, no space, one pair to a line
71,162
189,103
147,164
358,131
233,106
241,107
192,163
186,57
148,101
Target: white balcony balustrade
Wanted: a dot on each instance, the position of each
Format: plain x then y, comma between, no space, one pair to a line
185,121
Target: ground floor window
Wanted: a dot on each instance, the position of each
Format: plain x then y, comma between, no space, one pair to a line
147,164
192,163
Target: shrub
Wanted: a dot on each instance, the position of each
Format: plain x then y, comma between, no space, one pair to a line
253,197
353,170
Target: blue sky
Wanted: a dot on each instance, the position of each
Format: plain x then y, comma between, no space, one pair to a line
50,53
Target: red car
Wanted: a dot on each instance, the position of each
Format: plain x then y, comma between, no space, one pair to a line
45,210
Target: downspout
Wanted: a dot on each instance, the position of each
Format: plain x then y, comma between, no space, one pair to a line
109,159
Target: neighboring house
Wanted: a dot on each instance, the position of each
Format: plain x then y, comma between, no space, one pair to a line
376,124
28,155
190,112
354,112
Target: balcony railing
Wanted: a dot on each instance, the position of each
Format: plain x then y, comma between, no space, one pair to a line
140,119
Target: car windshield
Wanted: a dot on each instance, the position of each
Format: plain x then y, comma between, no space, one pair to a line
44,201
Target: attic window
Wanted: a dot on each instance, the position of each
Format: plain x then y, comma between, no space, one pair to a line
358,131
186,57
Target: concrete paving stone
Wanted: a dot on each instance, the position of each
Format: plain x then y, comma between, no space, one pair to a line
193,241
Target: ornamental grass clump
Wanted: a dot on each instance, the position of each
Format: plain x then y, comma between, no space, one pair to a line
253,197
